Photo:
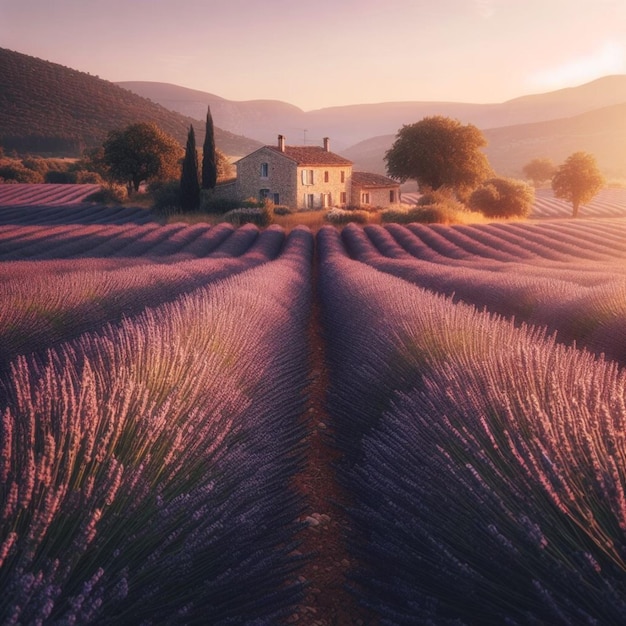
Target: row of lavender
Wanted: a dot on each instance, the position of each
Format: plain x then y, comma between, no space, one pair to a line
610,202
145,469
487,464
47,300
79,241
571,279
52,204
30,195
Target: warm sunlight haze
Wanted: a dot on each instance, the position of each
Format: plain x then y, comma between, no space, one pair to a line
313,314
347,52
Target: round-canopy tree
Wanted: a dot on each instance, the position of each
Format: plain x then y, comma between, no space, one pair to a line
439,152
141,152
539,170
225,169
577,180
503,197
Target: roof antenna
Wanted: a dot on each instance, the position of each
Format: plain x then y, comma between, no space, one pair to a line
305,131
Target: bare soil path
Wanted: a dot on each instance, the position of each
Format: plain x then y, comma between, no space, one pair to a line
327,601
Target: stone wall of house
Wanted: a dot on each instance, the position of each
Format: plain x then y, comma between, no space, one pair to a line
280,179
378,197
224,191
327,187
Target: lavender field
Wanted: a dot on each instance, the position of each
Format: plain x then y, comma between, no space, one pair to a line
155,403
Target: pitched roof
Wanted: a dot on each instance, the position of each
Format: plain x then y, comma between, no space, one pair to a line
312,155
367,179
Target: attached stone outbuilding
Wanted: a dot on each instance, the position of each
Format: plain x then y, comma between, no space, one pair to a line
374,190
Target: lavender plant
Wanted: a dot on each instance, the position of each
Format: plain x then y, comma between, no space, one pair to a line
486,461
582,302
61,300
146,469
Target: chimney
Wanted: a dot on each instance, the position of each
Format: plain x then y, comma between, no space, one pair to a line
327,144
281,143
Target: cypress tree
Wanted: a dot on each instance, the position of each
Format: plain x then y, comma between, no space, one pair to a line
189,183
209,158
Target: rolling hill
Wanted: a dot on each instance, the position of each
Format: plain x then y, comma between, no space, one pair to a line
602,132
261,119
48,108
349,125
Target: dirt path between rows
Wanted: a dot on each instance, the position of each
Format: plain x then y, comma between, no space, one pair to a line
327,601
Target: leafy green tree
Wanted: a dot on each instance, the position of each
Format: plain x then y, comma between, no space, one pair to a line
93,161
539,170
225,169
439,152
503,197
577,180
14,172
189,182
141,152
209,157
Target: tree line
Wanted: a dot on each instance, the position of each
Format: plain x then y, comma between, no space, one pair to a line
142,153
440,153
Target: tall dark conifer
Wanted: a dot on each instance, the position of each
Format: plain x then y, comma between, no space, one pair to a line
189,183
209,158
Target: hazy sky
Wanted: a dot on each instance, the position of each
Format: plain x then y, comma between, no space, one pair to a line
329,52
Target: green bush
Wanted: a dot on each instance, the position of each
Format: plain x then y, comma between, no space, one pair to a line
60,178
166,196
423,214
17,173
345,216
210,204
280,209
36,164
85,177
503,197
109,194
444,198
261,216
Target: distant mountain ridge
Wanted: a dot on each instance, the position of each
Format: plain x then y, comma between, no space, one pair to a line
48,108
347,125
601,132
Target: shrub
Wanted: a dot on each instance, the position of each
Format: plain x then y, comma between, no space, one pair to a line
260,216
503,197
17,173
60,178
345,216
36,164
109,194
423,214
86,177
210,204
166,196
280,209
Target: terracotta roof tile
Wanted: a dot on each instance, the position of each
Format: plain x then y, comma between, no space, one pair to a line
312,155
367,179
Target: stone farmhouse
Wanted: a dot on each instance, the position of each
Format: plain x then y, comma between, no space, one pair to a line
308,177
